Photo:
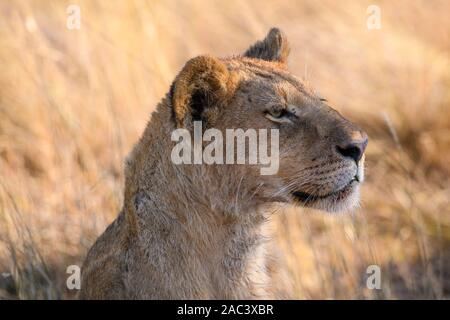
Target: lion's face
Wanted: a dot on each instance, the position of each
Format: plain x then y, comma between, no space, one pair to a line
321,162
321,154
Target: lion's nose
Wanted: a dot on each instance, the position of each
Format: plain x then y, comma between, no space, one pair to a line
354,146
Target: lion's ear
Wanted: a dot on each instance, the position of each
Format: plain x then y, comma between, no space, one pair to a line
204,82
274,47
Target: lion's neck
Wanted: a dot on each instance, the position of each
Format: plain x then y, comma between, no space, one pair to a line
211,219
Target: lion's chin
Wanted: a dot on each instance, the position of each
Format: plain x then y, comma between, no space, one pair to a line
345,199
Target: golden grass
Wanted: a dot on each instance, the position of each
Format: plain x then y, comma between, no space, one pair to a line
73,102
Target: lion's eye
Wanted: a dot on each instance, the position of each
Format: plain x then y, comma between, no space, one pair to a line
277,112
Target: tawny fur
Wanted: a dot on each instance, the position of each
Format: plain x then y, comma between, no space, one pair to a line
200,231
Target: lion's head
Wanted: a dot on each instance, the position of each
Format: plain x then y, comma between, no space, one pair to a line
321,154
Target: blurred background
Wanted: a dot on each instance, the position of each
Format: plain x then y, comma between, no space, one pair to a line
73,102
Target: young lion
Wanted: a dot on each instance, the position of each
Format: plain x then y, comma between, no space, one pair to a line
198,231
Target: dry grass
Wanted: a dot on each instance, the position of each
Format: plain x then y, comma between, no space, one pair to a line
72,103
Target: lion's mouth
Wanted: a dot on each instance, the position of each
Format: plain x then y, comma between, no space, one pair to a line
338,195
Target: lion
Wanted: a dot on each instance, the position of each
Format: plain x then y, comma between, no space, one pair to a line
199,231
